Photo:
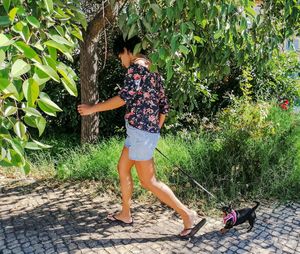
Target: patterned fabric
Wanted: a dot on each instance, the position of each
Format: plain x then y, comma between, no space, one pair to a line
230,216
145,98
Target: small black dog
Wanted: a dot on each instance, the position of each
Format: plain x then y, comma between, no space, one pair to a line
236,217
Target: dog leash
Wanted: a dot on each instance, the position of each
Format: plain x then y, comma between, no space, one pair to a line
191,178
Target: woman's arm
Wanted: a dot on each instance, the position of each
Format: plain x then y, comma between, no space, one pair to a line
112,103
162,118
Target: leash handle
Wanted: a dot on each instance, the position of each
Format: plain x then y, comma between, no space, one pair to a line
191,178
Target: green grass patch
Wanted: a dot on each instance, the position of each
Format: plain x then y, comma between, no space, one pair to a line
253,153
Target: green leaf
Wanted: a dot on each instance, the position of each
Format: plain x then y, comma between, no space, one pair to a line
122,20
20,129
77,34
4,83
61,40
41,144
170,13
132,31
31,91
4,21
41,124
2,56
60,30
62,48
3,153
31,112
18,27
27,51
170,71
49,5
10,110
154,57
25,34
32,146
26,168
17,160
15,87
137,48
12,91
156,9
80,16
30,121
250,11
4,41
19,68
39,46
184,49
52,53
40,77
45,97
48,106
12,14
70,87
162,53
198,39
6,4
16,145
48,71
218,34
50,62
68,78
33,21
174,43
146,24
5,163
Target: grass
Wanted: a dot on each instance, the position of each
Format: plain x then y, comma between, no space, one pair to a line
232,162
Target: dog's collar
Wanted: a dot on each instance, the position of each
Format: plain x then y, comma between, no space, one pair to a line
231,216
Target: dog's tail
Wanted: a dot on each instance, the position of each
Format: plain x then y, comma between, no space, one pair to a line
257,204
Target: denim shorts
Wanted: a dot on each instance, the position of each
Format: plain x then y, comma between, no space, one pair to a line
141,144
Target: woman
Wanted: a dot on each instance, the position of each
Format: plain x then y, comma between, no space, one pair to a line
146,109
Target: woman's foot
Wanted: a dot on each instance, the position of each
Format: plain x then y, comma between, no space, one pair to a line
188,222
120,217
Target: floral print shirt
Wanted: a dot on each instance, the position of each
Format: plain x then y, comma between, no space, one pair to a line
145,98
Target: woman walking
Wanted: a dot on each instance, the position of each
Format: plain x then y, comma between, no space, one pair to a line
146,109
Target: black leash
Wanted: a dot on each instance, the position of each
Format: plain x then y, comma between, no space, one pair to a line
191,178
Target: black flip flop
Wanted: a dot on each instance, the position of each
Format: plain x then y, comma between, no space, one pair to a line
194,230
118,220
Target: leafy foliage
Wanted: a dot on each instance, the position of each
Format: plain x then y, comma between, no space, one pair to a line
33,35
281,78
198,42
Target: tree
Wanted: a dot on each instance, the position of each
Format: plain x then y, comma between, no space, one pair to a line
107,12
89,62
36,38
198,43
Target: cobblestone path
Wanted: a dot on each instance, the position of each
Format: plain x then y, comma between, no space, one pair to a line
49,217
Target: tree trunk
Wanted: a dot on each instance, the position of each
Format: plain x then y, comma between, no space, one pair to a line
89,72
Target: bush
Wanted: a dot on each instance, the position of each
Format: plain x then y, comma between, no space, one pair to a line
252,151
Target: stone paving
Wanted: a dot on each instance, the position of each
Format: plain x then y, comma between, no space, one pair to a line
49,217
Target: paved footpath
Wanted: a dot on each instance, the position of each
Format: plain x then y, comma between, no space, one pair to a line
49,217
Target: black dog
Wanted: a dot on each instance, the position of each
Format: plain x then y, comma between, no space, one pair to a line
236,217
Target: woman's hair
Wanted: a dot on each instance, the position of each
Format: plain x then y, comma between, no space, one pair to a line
119,44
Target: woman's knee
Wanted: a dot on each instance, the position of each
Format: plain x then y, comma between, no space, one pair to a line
149,183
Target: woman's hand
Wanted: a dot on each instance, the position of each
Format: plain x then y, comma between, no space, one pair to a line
85,109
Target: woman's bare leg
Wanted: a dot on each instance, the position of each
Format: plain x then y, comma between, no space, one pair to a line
146,173
126,183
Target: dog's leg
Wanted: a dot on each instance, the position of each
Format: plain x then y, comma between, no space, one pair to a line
251,223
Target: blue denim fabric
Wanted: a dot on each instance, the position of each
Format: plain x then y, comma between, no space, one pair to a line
141,144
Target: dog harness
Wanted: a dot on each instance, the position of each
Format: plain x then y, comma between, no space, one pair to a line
231,216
